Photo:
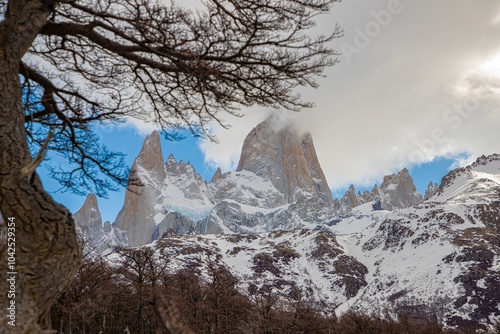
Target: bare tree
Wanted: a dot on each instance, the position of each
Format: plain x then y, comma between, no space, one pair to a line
143,270
68,64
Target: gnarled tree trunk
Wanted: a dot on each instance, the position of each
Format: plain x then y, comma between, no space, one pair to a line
47,253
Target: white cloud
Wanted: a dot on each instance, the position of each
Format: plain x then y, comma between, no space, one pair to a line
142,127
395,102
226,152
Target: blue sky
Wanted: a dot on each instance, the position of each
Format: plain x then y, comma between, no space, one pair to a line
129,141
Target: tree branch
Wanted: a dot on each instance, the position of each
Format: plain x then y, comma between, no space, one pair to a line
28,170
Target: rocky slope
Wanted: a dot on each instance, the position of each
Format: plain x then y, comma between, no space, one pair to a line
439,259
307,262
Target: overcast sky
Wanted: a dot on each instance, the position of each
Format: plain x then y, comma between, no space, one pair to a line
417,80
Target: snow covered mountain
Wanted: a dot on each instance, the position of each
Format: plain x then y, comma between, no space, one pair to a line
437,260
440,258
279,232
279,184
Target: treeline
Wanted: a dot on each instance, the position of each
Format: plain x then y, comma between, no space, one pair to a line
138,294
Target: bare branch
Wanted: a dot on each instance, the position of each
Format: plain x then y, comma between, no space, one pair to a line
109,60
28,170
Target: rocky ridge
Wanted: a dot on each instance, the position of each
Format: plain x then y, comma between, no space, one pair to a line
279,184
436,260
397,191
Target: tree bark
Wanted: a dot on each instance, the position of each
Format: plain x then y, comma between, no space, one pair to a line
47,252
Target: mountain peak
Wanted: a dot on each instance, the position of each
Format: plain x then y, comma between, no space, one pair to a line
403,172
89,216
98,238
146,175
431,190
276,151
217,175
399,191
150,157
91,201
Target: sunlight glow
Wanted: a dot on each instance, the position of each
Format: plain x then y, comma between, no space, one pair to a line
482,79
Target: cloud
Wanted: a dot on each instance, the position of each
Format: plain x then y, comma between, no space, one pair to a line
482,81
394,103
226,151
142,127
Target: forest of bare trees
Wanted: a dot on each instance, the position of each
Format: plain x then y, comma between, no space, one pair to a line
140,293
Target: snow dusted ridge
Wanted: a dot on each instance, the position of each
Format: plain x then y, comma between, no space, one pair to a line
437,260
395,192
440,258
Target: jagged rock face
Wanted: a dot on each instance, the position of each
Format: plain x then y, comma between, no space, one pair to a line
184,177
278,153
146,177
353,199
279,184
399,191
89,214
161,196
395,192
431,190
97,238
